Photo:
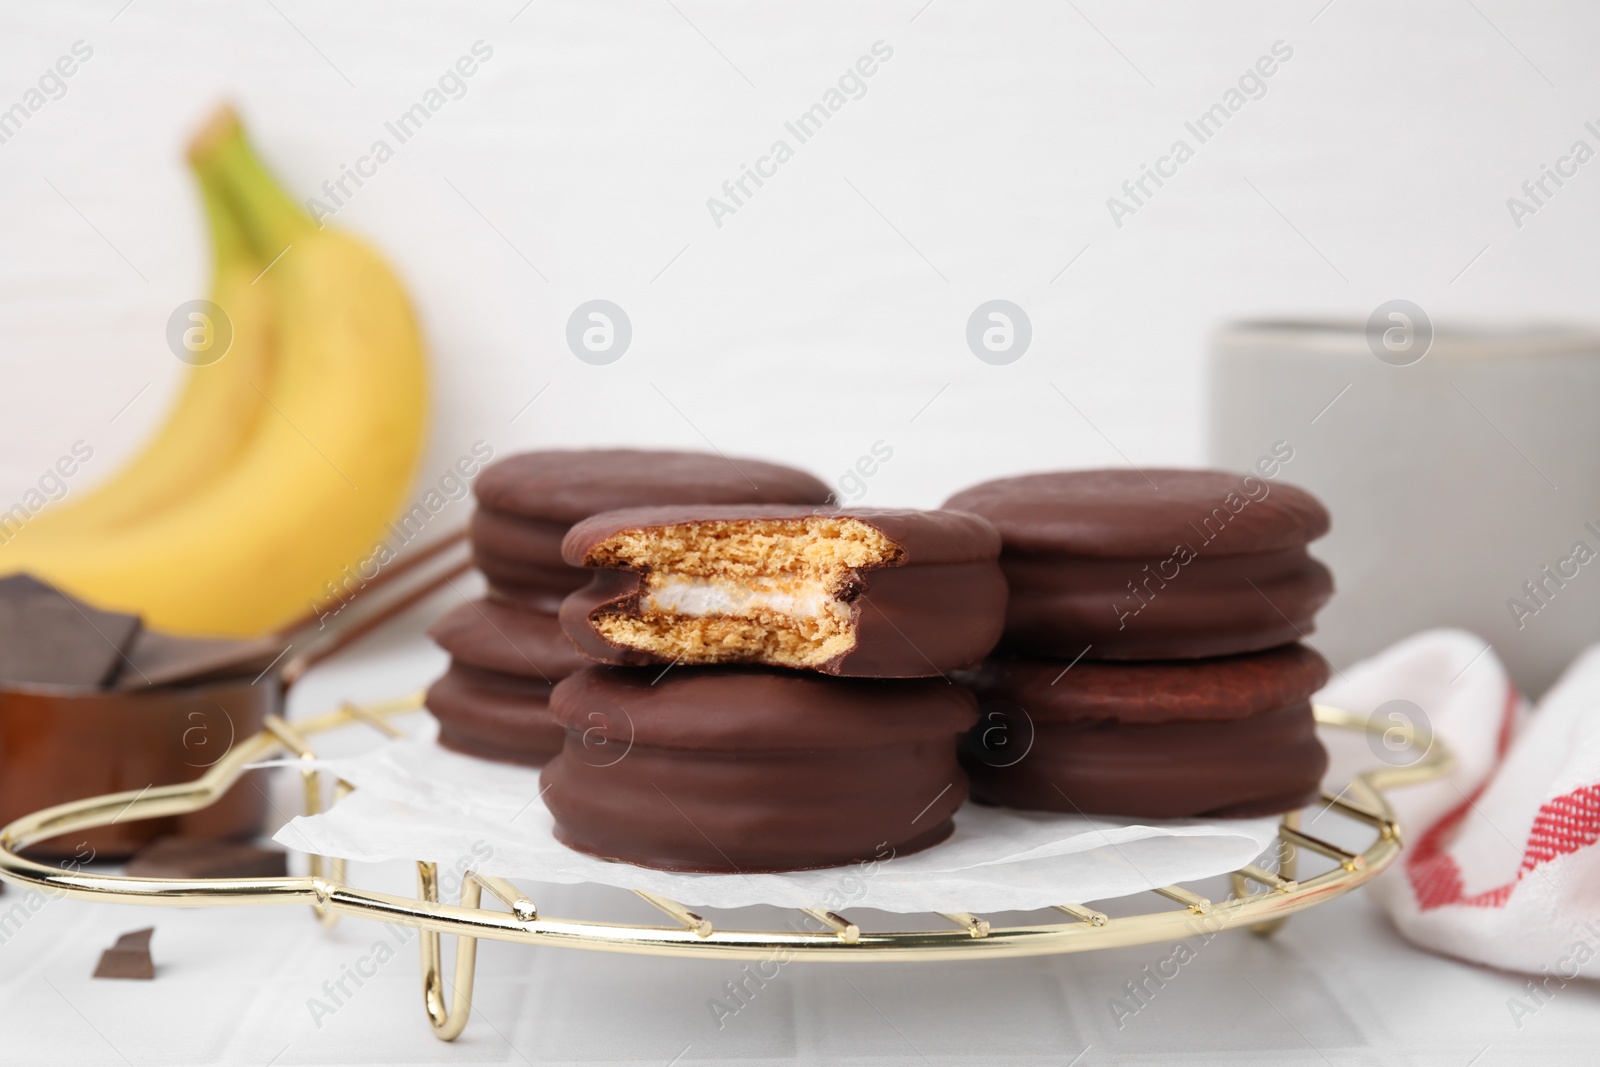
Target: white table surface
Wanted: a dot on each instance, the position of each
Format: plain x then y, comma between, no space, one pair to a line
235,986
1336,986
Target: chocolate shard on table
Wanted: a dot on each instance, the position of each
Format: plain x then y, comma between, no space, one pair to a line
527,502
50,638
1154,564
494,715
747,769
1229,736
129,957
190,858
872,593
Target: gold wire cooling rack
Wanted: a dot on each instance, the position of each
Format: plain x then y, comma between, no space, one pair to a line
1280,892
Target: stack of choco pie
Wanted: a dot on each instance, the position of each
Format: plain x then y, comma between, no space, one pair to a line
1150,664
507,649
775,697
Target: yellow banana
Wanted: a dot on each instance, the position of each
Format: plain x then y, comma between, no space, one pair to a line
328,464
220,405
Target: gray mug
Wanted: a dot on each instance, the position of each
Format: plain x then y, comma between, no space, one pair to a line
1461,466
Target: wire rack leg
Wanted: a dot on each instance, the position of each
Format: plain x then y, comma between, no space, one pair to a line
448,1018
1287,869
311,779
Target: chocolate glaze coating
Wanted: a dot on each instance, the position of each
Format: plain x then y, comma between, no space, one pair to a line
1262,765
1212,607
1120,514
542,599
735,769
512,537
1207,564
742,709
1223,737
495,716
1231,687
527,502
564,486
939,608
530,583
501,637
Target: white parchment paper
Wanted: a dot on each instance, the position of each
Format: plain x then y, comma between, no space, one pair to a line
415,800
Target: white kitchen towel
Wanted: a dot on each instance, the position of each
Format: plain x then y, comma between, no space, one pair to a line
1500,865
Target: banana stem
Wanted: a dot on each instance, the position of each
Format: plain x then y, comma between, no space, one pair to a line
223,159
229,243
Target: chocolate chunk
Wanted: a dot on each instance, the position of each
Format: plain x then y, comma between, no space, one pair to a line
184,858
50,638
566,486
751,769
874,593
129,957
165,659
1231,736
1159,564
494,716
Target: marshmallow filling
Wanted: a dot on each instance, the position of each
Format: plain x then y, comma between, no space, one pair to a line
773,591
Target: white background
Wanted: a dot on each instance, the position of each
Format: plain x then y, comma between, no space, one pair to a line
815,321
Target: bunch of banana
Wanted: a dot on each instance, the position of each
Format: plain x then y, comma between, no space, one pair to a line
283,461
